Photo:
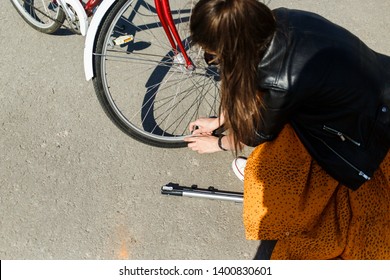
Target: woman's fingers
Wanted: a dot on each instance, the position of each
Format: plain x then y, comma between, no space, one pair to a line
203,144
203,125
192,127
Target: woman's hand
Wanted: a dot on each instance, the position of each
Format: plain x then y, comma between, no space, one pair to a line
203,144
204,126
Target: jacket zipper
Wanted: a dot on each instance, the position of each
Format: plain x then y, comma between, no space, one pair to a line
361,173
342,136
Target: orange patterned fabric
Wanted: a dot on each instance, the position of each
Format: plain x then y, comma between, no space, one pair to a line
288,197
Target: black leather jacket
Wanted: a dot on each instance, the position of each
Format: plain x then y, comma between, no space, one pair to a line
333,90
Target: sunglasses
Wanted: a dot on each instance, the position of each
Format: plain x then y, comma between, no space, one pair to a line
211,59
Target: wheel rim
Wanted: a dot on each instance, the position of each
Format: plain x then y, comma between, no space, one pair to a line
148,88
41,13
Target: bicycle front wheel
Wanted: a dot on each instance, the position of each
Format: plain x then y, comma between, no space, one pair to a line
143,84
43,15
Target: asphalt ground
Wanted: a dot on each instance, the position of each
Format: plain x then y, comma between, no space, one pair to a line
72,186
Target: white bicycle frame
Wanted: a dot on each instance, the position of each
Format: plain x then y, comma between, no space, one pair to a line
92,35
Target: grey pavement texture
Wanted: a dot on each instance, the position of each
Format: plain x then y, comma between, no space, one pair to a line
72,186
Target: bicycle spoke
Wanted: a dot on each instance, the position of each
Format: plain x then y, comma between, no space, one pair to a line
145,84
43,15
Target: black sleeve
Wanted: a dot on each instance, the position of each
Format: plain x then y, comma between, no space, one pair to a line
276,112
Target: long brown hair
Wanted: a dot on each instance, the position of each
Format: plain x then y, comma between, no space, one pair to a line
238,32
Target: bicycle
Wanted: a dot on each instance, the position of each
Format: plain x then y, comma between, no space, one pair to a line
150,80
47,16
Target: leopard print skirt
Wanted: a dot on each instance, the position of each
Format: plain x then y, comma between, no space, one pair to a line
288,197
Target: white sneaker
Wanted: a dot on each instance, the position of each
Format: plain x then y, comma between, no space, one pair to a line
238,166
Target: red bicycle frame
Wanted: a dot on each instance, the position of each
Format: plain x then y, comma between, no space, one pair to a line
90,6
165,16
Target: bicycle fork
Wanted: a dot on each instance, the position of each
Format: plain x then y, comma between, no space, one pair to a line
75,15
165,16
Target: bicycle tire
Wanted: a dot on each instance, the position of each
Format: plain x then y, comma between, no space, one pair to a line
43,15
143,87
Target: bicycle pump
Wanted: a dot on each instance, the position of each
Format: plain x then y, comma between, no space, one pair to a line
194,191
